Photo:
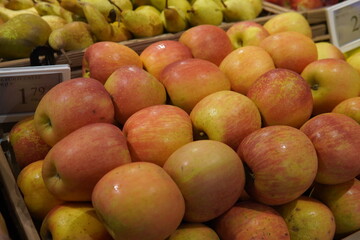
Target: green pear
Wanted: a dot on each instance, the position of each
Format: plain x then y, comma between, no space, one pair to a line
144,21
54,21
108,6
205,12
46,8
181,4
19,4
239,10
174,19
6,13
72,36
21,34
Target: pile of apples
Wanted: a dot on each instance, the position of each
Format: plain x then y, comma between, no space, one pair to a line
199,138
304,5
74,24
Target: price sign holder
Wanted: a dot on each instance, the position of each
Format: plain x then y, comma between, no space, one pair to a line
344,24
21,88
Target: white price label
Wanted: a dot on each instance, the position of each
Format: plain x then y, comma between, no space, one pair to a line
344,24
22,88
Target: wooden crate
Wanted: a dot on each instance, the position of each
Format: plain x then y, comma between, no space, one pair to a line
17,216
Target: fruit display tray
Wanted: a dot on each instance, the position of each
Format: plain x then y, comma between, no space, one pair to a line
316,18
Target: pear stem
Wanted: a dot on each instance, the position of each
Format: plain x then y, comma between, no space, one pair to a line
112,2
223,3
167,4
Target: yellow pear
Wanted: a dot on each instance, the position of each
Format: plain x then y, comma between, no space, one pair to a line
19,4
54,21
21,34
72,36
6,13
45,8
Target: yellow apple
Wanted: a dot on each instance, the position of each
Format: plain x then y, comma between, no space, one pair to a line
37,197
75,221
288,21
308,218
328,50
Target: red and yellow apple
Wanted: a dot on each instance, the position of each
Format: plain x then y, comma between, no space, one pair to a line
225,116
336,138
343,201
207,192
103,58
295,56
26,143
158,55
132,88
208,42
246,33
349,107
154,133
70,105
283,97
138,200
76,163
244,65
331,81
251,220
281,164
188,81
198,231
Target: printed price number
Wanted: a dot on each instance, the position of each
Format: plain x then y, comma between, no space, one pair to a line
344,24
21,94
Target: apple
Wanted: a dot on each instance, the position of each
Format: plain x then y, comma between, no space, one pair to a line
251,220
102,58
283,98
288,21
70,105
331,81
131,89
295,56
73,221
343,201
328,50
354,61
281,164
336,138
207,192
244,65
158,55
349,107
198,231
208,42
154,133
26,143
138,200
246,33
188,81
75,164
306,216
305,5
225,116
38,200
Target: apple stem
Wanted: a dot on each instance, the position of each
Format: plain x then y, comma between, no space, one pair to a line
315,86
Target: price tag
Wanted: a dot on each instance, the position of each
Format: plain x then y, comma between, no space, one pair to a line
344,24
21,88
